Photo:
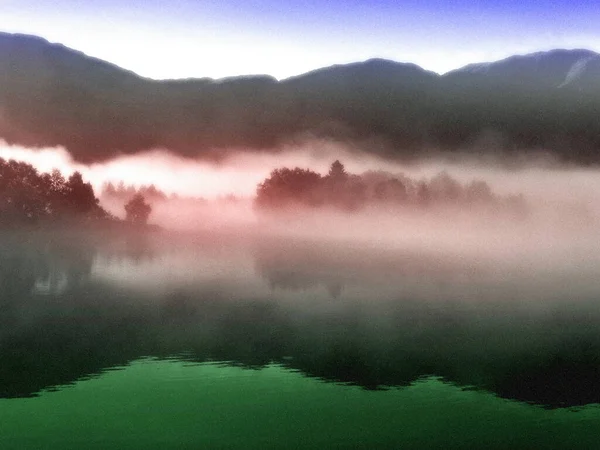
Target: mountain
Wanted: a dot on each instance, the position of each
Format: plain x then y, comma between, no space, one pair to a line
545,101
51,95
575,69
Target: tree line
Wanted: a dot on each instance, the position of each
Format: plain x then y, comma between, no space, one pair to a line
28,197
287,188
123,192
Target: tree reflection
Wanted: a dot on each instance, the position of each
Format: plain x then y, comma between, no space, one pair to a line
297,265
550,357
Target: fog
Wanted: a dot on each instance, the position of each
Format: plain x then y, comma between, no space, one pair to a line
479,294
563,201
493,311
563,207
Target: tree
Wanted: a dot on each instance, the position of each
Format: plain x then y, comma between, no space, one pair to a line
423,197
337,172
29,197
288,187
137,210
445,188
479,191
390,190
80,195
109,190
22,194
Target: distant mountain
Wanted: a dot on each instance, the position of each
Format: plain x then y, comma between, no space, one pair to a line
51,95
543,70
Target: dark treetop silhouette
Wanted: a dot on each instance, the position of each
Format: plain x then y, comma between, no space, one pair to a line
289,189
124,193
28,197
137,210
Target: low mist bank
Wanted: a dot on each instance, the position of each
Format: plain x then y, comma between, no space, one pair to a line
560,208
562,202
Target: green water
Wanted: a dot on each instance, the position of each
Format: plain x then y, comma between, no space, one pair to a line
172,404
111,343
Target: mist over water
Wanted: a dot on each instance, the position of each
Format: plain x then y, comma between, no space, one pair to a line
494,314
402,298
555,237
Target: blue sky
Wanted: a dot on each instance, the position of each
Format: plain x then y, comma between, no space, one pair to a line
178,39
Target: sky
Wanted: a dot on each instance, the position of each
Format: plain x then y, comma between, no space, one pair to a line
219,38
209,38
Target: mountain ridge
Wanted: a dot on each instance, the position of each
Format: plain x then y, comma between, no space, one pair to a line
51,95
38,40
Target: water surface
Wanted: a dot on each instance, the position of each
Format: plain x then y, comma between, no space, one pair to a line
165,340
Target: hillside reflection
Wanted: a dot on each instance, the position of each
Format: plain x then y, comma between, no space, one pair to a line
70,310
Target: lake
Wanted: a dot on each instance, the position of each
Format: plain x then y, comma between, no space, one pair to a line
263,340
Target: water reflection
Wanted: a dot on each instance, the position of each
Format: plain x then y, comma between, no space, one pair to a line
304,264
71,309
